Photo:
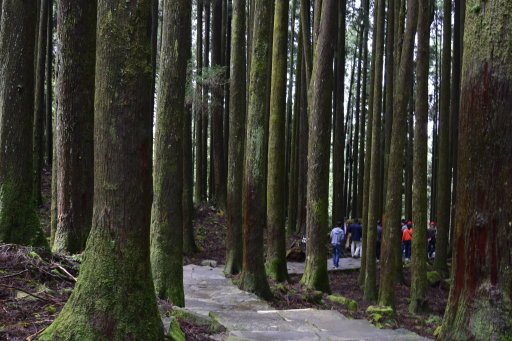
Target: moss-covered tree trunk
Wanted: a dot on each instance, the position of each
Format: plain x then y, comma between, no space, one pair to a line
237,116
418,301
198,108
338,148
166,215
76,36
370,281
253,276
444,165
393,201
217,144
319,105
18,220
302,152
276,168
479,302
114,297
39,101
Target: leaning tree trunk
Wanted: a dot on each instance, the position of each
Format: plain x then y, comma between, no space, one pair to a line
166,215
114,297
18,220
76,36
237,117
253,276
276,176
479,303
39,102
319,105
444,166
391,219
418,301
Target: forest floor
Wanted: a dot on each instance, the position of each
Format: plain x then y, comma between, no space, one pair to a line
35,284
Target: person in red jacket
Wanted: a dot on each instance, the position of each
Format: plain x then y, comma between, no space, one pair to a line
407,240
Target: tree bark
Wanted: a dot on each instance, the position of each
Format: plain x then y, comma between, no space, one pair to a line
189,243
217,135
319,105
49,88
39,102
253,276
198,108
166,215
370,281
206,107
18,220
276,168
444,166
338,122
479,302
418,301
116,268
237,117
391,221
76,29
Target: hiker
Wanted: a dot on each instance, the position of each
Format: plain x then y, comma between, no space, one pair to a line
337,236
356,233
379,239
407,240
431,237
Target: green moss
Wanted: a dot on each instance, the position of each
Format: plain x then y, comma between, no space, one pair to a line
433,278
385,311
175,331
348,303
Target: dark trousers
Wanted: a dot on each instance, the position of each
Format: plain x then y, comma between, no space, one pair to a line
336,253
407,247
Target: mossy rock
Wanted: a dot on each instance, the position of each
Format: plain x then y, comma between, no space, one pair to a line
184,315
381,317
438,331
346,302
313,296
433,278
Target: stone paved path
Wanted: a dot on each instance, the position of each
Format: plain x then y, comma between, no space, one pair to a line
346,263
246,317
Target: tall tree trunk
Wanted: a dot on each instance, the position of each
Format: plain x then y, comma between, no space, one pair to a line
293,176
356,151
369,133
276,168
444,166
338,121
458,32
205,180
189,243
237,117
395,173
219,177
18,220
166,215
198,108
418,301
305,20
408,161
75,123
49,87
39,102
116,267
253,276
479,302
370,282
319,105
302,152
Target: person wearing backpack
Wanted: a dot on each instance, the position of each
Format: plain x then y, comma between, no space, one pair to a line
337,236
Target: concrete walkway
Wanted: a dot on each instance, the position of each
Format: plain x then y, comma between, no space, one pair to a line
347,263
210,294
